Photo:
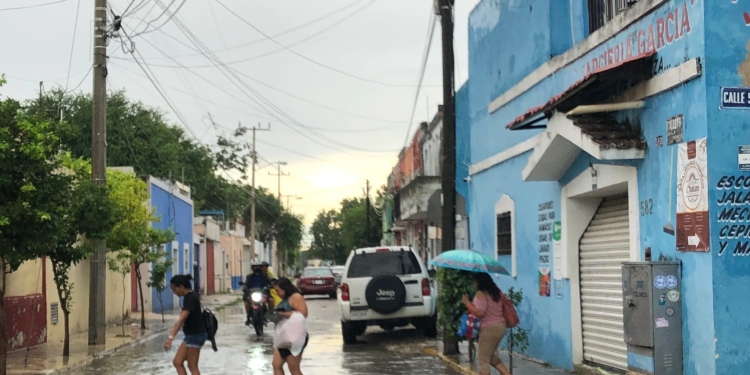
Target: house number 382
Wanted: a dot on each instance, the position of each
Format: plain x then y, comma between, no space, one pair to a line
647,207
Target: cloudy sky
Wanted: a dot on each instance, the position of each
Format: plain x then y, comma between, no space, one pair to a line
335,79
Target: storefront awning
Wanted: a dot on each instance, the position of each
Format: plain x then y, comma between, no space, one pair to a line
594,88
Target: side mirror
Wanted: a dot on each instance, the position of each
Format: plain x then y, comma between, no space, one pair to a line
432,273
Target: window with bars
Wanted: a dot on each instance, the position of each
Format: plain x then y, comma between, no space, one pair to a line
603,11
504,234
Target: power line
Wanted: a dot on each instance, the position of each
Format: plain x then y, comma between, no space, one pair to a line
262,101
428,45
73,44
305,57
166,10
295,28
33,6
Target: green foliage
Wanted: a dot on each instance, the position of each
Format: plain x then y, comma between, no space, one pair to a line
517,338
158,279
336,233
454,284
289,226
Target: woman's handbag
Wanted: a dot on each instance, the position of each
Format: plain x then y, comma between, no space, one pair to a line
509,312
468,327
291,334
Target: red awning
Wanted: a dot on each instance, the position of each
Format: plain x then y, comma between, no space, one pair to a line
593,88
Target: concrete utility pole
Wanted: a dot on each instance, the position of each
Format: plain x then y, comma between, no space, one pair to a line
367,213
98,273
445,10
279,174
252,196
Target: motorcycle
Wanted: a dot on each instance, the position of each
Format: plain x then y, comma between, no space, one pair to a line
257,299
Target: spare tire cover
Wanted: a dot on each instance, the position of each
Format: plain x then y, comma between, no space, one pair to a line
385,294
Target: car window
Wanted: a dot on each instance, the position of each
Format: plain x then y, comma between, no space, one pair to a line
390,263
317,272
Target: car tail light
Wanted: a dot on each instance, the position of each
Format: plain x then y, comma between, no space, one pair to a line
344,292
382,250
426,287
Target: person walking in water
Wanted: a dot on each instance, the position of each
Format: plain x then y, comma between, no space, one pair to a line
192,324
291,302
487,306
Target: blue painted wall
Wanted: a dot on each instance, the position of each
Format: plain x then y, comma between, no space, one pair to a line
177,215
727,36
507,41
463,139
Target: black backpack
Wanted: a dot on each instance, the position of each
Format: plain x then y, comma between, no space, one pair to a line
212,326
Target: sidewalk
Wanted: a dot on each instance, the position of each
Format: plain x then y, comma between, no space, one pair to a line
47,358
462,363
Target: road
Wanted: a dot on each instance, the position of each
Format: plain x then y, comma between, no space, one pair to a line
241,352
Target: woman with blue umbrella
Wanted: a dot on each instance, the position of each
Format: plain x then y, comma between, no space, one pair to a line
487,304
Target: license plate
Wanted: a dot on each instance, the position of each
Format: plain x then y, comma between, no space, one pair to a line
318,282
359,314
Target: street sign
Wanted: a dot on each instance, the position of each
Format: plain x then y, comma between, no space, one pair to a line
735,97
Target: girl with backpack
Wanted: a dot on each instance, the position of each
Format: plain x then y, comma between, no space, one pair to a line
487,305
191,322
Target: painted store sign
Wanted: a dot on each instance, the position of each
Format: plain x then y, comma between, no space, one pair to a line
644,41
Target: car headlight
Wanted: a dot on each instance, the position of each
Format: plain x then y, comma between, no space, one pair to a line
257,297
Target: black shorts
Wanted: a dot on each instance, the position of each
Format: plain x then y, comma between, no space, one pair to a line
286,352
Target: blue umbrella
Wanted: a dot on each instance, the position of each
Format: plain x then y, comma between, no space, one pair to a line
469,260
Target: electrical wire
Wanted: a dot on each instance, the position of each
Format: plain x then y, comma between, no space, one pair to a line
258,98
311,36
181,66
425,58
33,6
295,28
166,10
73,44
305,57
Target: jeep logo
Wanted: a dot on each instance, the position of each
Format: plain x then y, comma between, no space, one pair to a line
388,294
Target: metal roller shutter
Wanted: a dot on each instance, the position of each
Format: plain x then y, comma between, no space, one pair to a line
603,248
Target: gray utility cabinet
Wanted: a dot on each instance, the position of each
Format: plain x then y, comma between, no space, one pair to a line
652,314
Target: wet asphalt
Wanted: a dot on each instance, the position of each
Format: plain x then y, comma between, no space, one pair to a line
241,352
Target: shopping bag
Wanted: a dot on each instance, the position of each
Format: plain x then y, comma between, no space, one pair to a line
468,327
291,334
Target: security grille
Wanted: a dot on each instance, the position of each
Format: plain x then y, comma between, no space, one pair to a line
603,11
54,310
604,247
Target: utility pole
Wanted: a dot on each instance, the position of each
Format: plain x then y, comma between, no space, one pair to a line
252,197
98,271
445,10
279,174
367,213
276,261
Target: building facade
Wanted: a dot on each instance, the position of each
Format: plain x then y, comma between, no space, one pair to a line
592,126
173,205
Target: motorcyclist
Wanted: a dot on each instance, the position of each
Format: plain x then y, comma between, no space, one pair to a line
274,297
256,280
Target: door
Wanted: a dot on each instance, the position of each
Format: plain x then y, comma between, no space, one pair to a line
210,268
197,268
405,265
603,248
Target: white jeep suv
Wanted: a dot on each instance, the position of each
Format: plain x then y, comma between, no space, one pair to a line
388,287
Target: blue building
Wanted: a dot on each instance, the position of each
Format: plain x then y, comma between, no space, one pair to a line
592,127
173,205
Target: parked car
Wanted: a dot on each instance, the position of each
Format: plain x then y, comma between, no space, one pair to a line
387,287
317,280
338,273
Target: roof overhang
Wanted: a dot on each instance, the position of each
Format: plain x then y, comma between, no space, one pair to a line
594,88
561,144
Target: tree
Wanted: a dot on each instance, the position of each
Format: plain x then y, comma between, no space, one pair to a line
133,237
453,285
81,208
158,280
27,179
327,243
290,230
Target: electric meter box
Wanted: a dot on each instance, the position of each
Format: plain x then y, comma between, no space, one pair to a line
652,316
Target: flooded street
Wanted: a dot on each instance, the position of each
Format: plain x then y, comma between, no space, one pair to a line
241,352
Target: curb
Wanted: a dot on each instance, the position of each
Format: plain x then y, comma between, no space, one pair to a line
76,368
432,351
